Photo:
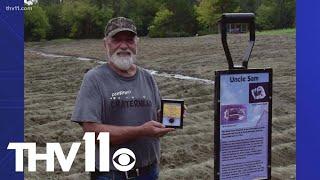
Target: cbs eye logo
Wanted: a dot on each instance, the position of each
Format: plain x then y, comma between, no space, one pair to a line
124,159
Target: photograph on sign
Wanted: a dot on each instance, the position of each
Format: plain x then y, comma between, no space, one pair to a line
244,105
235,113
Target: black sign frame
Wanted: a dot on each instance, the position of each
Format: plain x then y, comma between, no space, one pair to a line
174,101
217,115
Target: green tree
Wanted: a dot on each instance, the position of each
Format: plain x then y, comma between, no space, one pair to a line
174,18
57,28
275,14
249,5
266,18
100,19
84,20
209,12
158,18
142,12
286,13
161,23
184,19
206,14
48,2
36,24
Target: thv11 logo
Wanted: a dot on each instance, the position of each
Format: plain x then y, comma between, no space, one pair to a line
123,159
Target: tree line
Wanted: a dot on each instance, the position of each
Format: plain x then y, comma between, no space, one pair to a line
52,19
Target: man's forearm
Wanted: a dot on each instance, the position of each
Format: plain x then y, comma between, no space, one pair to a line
118,134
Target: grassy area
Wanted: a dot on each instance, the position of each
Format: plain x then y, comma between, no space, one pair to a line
62,40
291,31
44,42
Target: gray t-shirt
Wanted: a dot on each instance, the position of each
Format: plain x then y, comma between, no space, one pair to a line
108,98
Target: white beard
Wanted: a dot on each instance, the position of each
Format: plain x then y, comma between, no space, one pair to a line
122,62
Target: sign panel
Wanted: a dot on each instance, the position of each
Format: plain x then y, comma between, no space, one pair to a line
243,107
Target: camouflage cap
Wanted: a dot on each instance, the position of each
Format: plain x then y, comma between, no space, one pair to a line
119,24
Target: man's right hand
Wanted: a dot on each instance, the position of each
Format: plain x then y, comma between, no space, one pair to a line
155,129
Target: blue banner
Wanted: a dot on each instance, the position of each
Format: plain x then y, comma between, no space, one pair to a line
308,89
11,84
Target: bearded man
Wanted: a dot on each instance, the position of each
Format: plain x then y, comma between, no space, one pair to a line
123,99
